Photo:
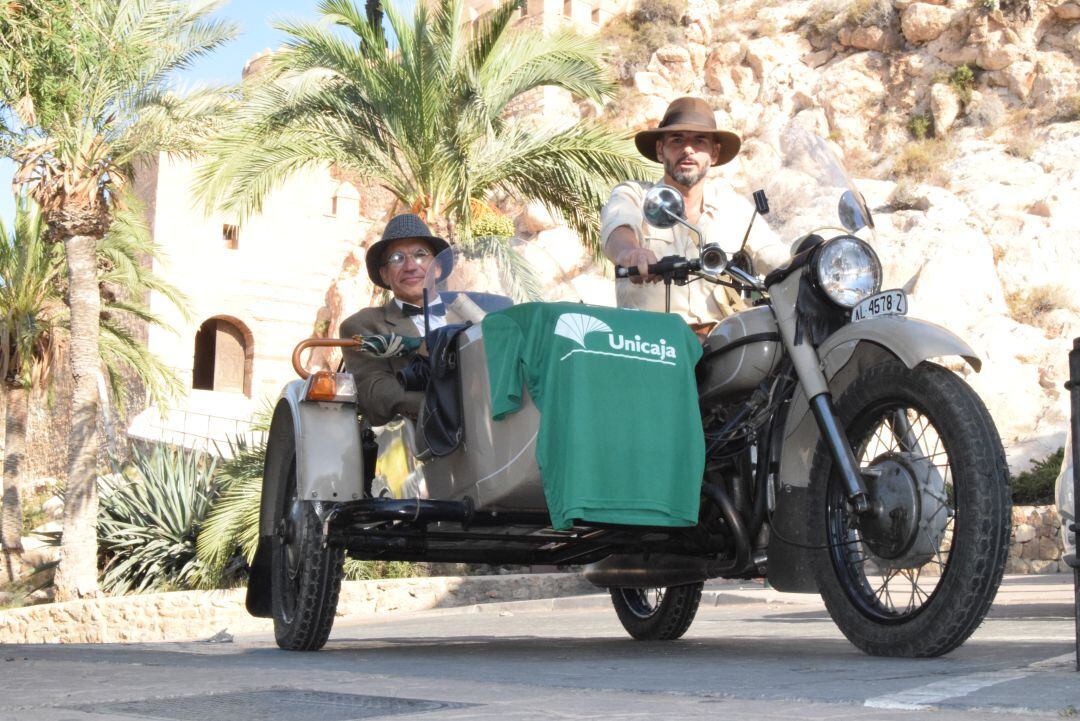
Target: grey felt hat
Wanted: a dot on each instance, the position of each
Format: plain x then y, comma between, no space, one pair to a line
400,227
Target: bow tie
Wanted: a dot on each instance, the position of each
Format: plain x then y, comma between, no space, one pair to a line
410,310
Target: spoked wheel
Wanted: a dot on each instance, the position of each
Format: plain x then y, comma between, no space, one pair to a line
657,614
305,573
916,577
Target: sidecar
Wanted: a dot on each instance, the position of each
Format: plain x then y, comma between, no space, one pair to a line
451,486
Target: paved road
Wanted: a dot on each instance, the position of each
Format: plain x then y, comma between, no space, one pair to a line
750,654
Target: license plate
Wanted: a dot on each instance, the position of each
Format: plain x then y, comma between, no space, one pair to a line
888,302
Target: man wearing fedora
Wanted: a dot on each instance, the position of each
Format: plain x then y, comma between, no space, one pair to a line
398,261
687,143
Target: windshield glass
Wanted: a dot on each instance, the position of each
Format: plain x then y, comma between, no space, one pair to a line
810,192
470,285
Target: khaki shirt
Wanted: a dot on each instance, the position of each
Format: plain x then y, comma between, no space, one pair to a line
723,221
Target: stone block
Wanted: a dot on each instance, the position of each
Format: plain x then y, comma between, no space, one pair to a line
1023,533
922,22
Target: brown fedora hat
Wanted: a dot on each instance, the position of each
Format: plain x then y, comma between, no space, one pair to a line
688,115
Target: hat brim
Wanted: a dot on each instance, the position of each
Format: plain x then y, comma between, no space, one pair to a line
375,254
729,143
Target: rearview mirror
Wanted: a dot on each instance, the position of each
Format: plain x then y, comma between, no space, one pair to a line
664,206
853,213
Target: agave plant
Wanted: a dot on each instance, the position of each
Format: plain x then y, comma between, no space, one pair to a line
148,525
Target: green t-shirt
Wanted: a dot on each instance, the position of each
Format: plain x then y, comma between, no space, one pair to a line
620,432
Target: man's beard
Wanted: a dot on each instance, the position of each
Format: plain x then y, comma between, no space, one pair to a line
685,177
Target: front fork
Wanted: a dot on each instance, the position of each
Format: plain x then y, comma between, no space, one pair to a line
807,366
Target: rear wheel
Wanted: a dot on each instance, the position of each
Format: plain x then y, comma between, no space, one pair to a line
305,573
917,578
657,614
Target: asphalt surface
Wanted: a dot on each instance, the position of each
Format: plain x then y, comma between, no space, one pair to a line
751,654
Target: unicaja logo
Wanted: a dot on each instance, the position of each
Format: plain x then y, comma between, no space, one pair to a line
576,326
661,349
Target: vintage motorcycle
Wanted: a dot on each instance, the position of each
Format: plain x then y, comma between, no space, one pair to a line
841,459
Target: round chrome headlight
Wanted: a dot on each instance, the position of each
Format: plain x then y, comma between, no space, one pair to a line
848,270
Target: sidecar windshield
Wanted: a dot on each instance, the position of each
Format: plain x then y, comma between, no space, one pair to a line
809,191
470,283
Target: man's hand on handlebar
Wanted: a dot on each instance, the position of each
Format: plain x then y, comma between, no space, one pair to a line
641,258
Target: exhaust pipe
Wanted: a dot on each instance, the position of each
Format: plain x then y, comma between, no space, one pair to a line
657,570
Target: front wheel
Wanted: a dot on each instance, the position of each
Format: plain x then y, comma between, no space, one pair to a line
657,614
305,572
916,577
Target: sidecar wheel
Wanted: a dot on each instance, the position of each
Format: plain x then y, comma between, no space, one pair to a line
657,614
305,574
918,579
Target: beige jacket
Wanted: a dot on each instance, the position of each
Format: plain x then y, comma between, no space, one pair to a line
723,221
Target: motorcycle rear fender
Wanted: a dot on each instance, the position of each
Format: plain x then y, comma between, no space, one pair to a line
843,355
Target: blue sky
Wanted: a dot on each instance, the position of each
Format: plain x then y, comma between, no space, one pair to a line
224,66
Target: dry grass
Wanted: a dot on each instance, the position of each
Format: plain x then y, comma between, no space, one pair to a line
829,17
922,160
1022,142
1031,306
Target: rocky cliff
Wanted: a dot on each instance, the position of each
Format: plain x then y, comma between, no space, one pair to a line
959,122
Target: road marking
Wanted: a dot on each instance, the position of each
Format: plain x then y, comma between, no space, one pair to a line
922,698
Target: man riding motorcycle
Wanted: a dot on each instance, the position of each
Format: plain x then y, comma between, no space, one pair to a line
687,143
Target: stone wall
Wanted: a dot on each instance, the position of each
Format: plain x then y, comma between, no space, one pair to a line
199,615
1036,541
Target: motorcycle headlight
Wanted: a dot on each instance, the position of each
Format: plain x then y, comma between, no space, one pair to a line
848,270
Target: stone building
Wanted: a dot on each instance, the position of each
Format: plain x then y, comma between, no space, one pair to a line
254,289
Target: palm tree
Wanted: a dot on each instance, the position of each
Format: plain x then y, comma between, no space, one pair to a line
34,331
31,307
84,92
427,120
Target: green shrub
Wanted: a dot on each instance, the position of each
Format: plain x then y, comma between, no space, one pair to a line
921,126
1035,487
147,525
962,81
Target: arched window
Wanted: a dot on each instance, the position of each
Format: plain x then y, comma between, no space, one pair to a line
223,354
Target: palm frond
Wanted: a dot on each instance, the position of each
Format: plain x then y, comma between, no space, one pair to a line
515,273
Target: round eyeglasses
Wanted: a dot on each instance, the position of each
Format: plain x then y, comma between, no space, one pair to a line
421,256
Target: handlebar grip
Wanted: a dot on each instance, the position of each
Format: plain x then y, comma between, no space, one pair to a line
667,264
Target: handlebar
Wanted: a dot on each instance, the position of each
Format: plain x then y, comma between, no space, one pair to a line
678,268
668,264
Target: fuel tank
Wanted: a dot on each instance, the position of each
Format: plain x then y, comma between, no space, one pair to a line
740,352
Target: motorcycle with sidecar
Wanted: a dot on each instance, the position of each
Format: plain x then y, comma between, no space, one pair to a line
842,457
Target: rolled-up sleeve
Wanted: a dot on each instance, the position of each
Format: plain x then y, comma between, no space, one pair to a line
622,208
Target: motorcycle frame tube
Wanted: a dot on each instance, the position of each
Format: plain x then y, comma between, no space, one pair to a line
844,355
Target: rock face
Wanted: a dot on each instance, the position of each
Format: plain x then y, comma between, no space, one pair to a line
980,233
922,22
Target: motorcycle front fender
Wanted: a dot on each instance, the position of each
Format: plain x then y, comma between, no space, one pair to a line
843,355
